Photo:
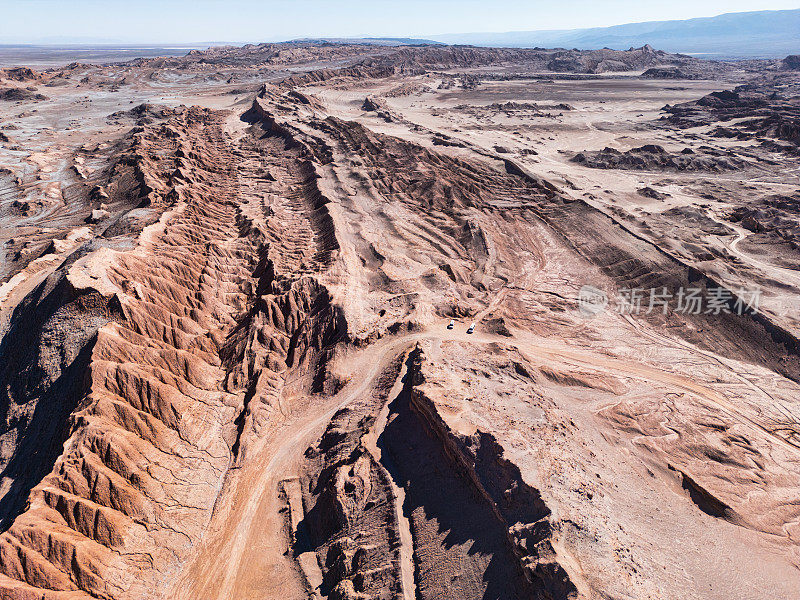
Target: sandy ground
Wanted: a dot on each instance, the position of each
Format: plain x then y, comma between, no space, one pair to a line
301,244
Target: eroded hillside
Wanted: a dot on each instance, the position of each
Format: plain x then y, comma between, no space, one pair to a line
235,296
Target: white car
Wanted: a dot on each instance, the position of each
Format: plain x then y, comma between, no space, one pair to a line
451,324
471,328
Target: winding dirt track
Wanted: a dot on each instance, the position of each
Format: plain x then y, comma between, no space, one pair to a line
239,554
274,261
240,549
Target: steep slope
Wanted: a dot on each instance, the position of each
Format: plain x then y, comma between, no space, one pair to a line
317,346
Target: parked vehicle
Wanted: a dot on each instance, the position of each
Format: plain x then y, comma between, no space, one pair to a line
451,324
471,328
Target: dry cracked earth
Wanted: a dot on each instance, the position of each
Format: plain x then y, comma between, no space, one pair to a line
226,366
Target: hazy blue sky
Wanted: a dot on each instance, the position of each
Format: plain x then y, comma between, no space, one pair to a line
149,21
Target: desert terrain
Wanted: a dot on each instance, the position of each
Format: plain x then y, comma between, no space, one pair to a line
236,291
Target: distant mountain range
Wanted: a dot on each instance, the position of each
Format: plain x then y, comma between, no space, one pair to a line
761,34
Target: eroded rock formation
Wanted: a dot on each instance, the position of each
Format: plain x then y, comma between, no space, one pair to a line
235,358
